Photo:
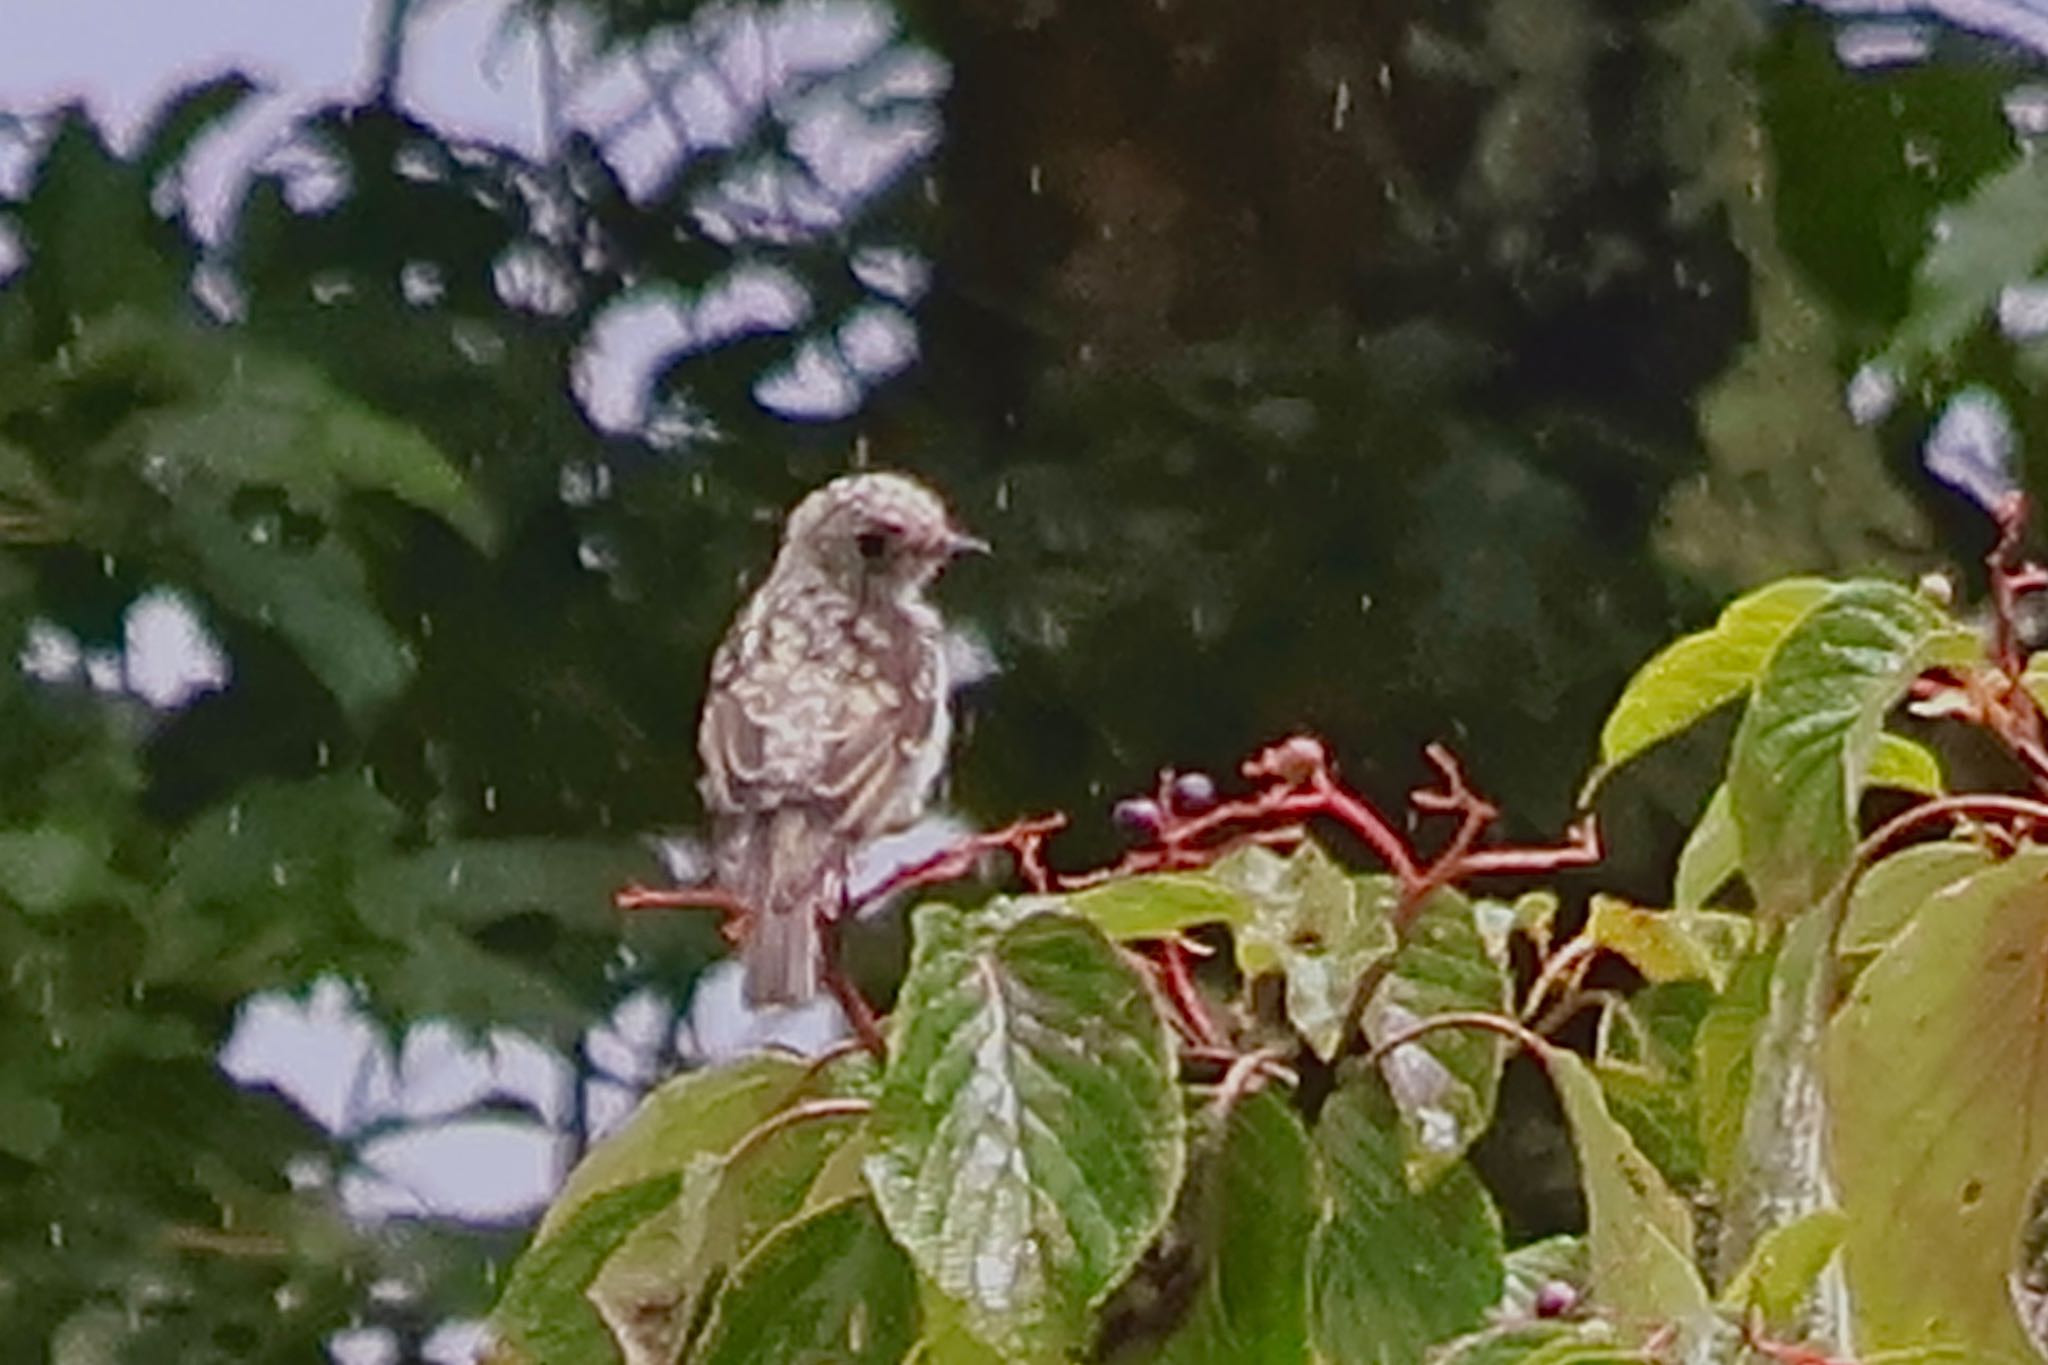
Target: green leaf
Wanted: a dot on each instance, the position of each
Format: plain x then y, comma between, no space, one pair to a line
1030,1134
1639,1235
1160,905
45,869
475,882
543,1315
1253,1201
1995,237
1445,1083
316,597
1671,945
698,1113
1723,1063
1696,675
1712,855
656,1285
1319,926
1939,1086
1902,764
1393,1271
828,1287
1890,893
1784,1268
265,422
30,1124
1643,1057
1804,746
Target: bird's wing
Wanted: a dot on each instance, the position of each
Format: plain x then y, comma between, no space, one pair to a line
830,717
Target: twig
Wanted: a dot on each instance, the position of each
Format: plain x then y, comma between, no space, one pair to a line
849,1106
1574,956
1243,1077
1177,983
1492,1023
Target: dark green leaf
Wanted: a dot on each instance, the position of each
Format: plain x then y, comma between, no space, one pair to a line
828,1287
698,1113
543,1315
1030,1132
1319,927
654,1287
1444,1084
1996,237
1393,1271
1254,1203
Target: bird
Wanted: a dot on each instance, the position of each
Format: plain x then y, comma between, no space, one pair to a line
826,719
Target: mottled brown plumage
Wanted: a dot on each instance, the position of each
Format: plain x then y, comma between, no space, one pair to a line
826,720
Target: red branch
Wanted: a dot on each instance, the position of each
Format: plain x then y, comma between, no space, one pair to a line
1293,782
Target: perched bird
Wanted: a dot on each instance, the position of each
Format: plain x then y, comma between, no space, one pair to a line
826,719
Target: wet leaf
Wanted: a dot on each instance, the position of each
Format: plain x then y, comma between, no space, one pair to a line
829,1286
1320,927
699,1113
1029,1129
655,1286
543,1315
1160,905
1940,1113
1802,752
1696,675
1254,1209
1445,1083
1393,1271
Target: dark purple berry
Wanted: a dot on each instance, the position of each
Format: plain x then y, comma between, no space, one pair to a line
1555,1298
1138,816
1193,793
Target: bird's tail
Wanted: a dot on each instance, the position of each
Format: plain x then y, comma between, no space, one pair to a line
789,867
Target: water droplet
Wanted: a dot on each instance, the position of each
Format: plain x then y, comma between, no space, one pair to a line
1340,107
1873,391
491,800
235,821
455,875
322,755
279,875
2023,310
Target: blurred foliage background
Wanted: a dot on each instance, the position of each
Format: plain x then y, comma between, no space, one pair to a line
1404,371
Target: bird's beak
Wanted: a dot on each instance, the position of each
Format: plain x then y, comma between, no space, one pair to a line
959,543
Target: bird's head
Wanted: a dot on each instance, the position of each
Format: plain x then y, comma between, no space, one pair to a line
875,533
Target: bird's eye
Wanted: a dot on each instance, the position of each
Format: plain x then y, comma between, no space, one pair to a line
873,544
